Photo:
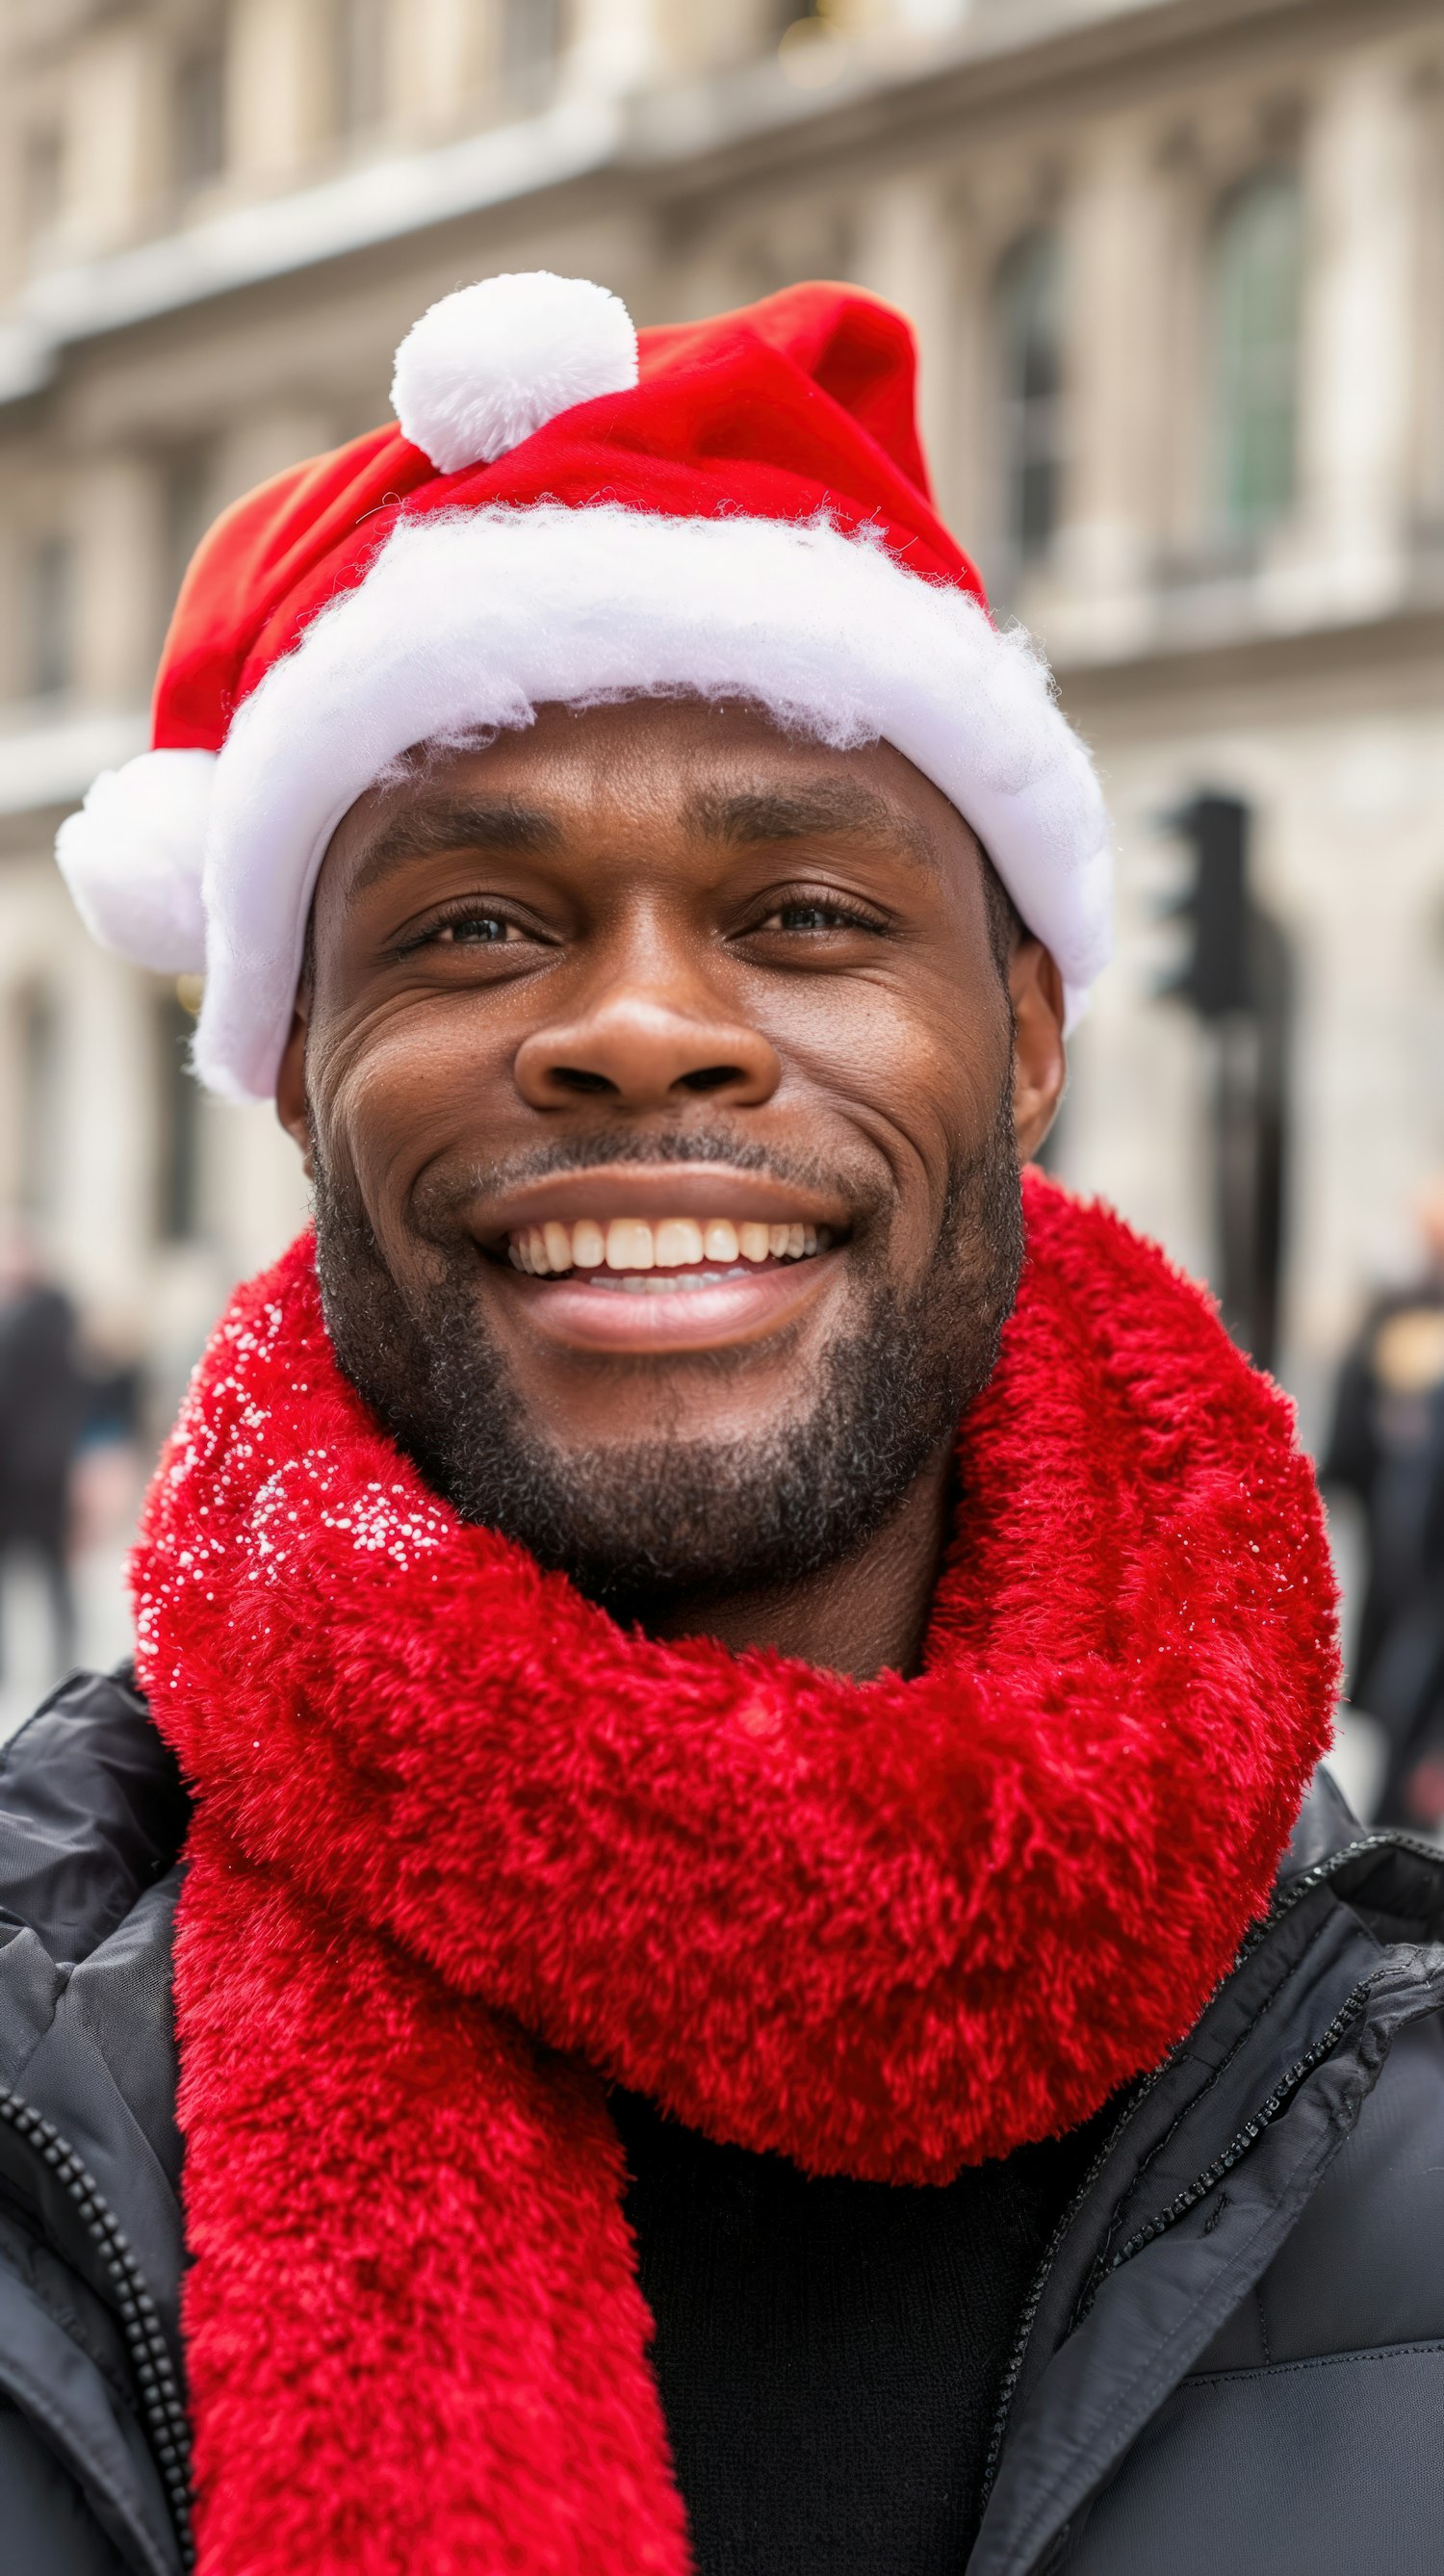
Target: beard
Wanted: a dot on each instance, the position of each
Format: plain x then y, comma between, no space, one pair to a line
636,1524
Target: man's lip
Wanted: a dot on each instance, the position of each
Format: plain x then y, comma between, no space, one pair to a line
655,1191
581,1317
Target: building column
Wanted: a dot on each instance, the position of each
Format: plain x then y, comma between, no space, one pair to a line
613,47
265,442
117,540
1112,360
439,54
276,102
1356,379
103,1211
256,1195
117,148
905,252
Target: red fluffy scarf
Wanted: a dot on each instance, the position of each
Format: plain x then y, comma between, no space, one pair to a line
464,1852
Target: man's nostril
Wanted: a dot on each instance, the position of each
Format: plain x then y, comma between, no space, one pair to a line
574,1077
710,1077
645,1058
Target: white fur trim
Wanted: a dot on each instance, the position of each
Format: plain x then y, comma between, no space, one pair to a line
485,367
476,620
133,857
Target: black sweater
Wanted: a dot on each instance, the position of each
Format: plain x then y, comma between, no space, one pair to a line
829,2352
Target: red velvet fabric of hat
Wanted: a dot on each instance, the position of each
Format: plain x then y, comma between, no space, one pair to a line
568,511
801,404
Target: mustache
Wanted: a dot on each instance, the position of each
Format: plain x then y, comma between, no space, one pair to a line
439,1199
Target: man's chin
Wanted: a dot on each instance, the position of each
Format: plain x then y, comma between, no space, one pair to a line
683,1416
649,1521
709,1480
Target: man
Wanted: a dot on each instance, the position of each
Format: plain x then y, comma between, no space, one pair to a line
42,1406
1386,1448
744,1676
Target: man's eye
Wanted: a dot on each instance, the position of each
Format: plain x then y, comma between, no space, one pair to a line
474,927
470,930
815,916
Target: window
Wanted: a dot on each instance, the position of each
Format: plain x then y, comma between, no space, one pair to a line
531,40
1257,274
200,115
39,1066
178,1194
43,180
1030,353
185,513
50,621
359,38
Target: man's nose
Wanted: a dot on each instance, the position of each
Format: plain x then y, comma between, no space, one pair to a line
642,1045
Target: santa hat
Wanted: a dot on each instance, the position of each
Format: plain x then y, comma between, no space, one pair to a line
571,511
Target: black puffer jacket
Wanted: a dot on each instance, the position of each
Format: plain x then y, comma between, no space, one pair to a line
1234,2357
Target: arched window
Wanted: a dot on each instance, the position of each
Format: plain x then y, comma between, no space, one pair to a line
1257,275
1027,304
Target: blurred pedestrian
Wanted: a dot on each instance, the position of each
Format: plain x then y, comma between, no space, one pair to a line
106,1477
1386,1448
42,1406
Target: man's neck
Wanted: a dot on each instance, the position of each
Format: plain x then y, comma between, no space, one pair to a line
867,1615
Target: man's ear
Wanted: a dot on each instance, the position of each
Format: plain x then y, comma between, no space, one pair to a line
1040,1062
291,1082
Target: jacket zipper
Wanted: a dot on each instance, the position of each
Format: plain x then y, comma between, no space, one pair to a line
1034,2300
1348,2013
1298,1888
162,2407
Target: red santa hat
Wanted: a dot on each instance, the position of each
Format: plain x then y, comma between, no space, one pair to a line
570,510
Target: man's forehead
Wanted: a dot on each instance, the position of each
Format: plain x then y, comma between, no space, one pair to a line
749,795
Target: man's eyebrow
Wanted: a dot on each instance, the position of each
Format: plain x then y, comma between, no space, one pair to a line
432,825
753,816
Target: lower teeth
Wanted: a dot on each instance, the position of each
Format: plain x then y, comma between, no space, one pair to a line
647,1283
664,1282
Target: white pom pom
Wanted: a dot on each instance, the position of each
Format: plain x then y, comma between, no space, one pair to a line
132,858
488,365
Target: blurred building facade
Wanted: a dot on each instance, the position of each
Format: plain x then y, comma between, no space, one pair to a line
1178,271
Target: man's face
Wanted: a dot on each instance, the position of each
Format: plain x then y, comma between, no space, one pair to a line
658,1070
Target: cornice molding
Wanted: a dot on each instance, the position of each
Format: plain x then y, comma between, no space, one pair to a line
1407,644
676,146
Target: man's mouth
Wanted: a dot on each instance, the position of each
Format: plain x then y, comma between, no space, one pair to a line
625,1258
663,1256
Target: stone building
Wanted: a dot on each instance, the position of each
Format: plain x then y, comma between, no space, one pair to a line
1178,269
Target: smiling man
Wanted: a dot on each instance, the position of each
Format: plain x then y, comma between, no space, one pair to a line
714,1202
701,1939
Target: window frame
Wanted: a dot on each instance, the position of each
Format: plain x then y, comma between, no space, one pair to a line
1254,392
1028,281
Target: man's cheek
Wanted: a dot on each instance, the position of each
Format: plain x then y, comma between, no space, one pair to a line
924,1162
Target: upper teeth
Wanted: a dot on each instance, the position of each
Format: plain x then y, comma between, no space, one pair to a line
675,1243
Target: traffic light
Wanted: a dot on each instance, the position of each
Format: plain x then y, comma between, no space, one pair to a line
1237,975
1216,977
